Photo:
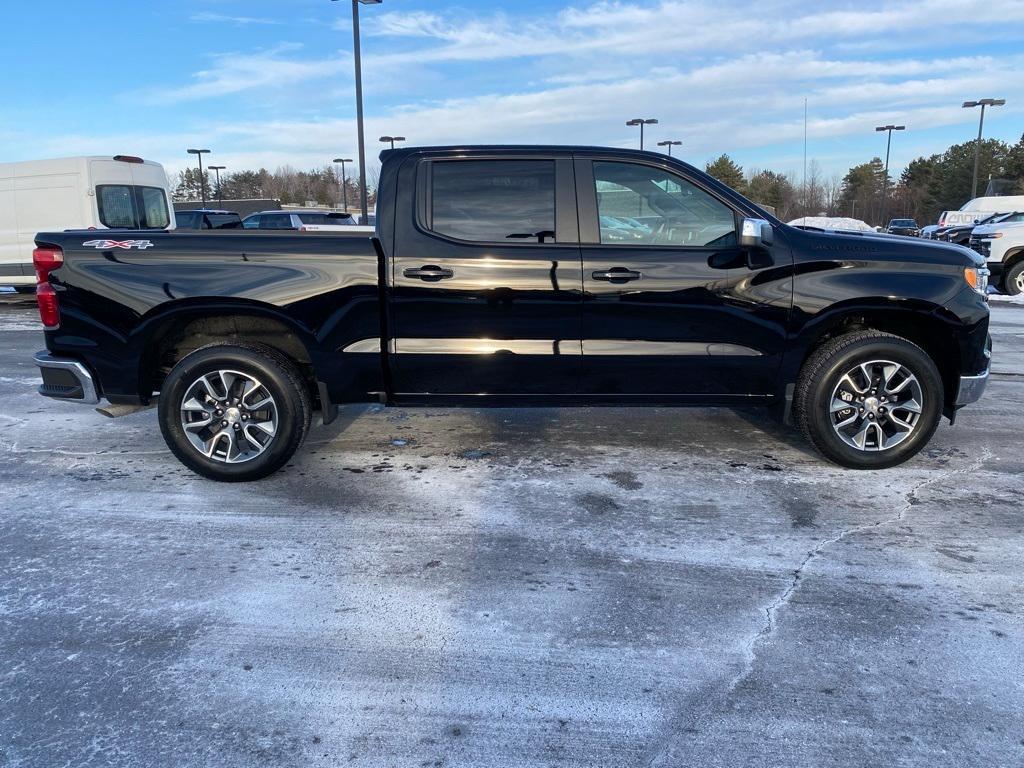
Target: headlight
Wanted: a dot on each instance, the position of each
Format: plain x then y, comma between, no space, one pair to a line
993,236
977,278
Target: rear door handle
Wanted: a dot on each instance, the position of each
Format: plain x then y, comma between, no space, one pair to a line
430,273
616,275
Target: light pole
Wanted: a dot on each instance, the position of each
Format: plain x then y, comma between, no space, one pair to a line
642,121
344,180
885,179
217,169
981,122
392,139
364,207
202,179
669,144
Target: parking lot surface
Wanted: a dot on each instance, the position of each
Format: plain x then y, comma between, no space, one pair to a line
575,587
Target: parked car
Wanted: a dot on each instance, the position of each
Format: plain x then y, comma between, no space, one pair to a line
928,231
906,227
207,218
961,235
297,220
981,207
75,193
1002,246
477,288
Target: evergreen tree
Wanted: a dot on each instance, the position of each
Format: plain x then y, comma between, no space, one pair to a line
727,171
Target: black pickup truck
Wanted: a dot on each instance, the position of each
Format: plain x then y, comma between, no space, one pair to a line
514,276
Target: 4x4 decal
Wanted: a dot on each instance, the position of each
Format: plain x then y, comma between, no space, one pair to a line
111,244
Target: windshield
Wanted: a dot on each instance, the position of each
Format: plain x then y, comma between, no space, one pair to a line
903,223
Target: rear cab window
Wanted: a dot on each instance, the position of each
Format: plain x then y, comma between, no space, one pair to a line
128,206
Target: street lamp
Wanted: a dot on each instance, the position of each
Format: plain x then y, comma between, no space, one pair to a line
359,101
392,139
344,180
202,180
669,144
217,169
642,121
977,147
885,180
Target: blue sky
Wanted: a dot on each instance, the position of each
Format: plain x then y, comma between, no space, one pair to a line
270,83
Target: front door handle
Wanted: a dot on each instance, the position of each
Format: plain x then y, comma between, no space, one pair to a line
430,273
616,275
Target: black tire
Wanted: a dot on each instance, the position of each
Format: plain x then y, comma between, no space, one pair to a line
292,403
1013,279
821,374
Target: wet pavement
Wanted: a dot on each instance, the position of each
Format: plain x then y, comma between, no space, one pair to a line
577,587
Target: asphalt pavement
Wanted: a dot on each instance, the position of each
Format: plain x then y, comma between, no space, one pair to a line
550,587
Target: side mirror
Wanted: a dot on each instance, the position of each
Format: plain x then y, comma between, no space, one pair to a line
756,233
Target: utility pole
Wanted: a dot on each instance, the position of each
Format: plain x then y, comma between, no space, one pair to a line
981,123
344,180
669,144
885,179
642,121
202,179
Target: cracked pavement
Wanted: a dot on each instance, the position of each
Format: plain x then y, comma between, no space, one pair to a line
578,587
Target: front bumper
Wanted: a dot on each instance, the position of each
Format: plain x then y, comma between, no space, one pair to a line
66,379
971,389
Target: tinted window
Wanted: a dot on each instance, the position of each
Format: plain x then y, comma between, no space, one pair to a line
251,222
132,207
641,205
186,220
223,221
276,221
498,201
334,219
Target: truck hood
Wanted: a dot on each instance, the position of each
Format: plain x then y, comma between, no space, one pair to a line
869,245
988,229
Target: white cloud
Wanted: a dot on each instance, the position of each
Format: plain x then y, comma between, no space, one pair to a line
220,18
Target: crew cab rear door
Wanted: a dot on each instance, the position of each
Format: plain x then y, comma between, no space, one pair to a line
486,282
673,305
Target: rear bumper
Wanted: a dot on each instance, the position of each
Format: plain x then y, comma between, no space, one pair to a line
66,379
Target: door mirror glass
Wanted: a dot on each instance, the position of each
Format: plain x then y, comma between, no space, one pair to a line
644,205
756,233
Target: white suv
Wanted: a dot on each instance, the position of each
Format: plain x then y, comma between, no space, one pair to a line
1002,245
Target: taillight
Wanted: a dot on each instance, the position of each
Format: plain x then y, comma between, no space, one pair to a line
45,260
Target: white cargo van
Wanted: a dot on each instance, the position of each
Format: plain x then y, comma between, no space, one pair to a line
980,207
75,193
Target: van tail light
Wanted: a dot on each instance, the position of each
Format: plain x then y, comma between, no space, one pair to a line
45,260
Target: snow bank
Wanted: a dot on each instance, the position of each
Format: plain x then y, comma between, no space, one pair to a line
832,222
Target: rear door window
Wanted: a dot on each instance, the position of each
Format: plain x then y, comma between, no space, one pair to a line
276,221
494,201
125,206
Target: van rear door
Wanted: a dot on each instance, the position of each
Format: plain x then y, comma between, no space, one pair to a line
131,194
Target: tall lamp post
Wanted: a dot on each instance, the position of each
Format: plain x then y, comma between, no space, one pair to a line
344,180
669,144
202,179
642,121
981,123
220,193
364,206
392,139
885,179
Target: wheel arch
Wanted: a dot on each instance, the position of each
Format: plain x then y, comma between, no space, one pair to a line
166,336
919,322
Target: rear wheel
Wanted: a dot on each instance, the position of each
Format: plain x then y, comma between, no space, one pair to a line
234,412
1013,280
869,400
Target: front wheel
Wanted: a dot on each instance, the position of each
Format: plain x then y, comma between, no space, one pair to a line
1013,280
869,400
234,412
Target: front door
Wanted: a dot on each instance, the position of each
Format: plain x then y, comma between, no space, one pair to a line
486,279
668,308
